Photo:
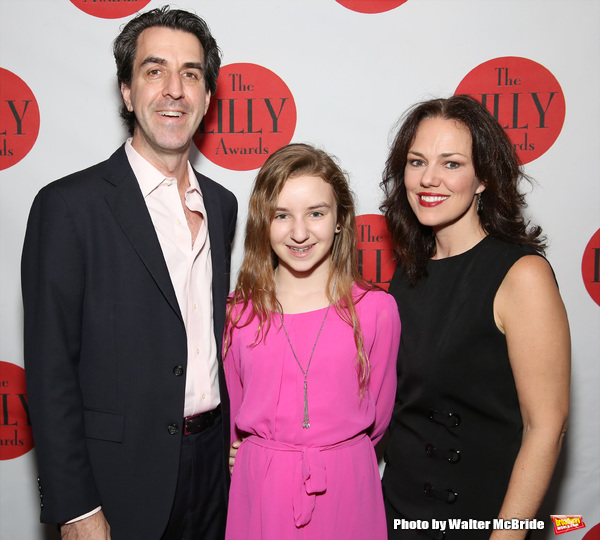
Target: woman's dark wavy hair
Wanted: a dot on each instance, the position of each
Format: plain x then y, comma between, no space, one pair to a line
496,166
125,47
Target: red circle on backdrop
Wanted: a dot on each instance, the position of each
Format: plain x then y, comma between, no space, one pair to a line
526,99
15,427
114,9
19,119
376,259
251,115
590,267
593,533
371,6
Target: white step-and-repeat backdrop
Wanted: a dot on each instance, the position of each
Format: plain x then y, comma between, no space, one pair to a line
336,73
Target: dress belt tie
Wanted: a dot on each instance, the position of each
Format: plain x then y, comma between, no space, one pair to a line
310,473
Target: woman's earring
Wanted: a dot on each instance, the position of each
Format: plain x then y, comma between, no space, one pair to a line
338,229
479,204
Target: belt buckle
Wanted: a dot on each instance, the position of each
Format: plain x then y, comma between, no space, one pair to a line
185,426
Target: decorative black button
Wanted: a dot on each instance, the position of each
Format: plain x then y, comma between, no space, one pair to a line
448,419
178,371
430,450
449,496
173,429
428,488
453,419
453,455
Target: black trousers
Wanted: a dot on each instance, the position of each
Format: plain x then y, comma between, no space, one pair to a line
199,509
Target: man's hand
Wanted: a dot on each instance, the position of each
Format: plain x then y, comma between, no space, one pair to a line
94,527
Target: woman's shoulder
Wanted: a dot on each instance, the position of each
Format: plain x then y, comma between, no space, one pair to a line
529,270
374,298
503,249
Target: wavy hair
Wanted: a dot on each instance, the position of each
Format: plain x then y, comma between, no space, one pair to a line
125,47
496,164
255,288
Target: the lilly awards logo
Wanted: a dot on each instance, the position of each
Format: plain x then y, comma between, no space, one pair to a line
16,438
19,119
371,6
110,9
524,97
251,115
590,267
376,261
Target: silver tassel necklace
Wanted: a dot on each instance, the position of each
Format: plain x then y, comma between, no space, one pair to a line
305,421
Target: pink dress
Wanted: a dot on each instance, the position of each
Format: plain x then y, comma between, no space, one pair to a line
322,482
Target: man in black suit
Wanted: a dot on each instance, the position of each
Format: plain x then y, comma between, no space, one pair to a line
125,274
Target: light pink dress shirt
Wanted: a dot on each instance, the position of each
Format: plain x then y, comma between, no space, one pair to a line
190,268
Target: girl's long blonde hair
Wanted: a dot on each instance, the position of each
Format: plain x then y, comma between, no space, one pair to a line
256,279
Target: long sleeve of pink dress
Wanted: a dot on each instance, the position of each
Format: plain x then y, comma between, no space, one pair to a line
321,482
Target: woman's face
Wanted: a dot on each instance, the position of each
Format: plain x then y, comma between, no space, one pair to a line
439,176
304,225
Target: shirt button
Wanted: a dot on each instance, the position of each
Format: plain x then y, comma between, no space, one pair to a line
197,351
194,306
178,222
203,396
178,371
173,429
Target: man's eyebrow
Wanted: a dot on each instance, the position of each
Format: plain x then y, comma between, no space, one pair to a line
153,60
194,65
162,62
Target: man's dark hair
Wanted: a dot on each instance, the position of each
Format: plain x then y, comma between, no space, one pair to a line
125,47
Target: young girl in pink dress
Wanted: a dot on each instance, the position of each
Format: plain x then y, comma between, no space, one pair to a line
310,354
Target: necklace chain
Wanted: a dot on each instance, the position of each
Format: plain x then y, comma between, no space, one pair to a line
305,421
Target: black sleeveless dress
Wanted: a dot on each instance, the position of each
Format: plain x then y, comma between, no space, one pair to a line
456,427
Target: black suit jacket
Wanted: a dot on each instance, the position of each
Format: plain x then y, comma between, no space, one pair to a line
104,339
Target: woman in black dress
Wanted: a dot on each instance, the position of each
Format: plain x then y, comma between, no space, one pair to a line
484,360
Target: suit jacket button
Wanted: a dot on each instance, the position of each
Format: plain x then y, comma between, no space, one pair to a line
178,371
173,429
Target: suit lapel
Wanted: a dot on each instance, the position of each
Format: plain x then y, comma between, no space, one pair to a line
130,211
216,235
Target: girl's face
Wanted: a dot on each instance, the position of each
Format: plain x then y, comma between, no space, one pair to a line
304,226
440,179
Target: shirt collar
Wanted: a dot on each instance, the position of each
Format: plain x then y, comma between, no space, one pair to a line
148,176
